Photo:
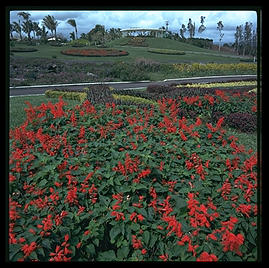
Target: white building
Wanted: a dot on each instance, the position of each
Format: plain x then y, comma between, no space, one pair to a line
135,31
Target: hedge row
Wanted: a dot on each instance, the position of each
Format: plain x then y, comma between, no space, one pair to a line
23,49
166,51
238,106
80,96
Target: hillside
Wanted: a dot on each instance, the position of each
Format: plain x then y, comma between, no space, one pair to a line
192,53
136,51
164,43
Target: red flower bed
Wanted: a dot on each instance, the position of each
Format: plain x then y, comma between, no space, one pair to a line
126,184
94,52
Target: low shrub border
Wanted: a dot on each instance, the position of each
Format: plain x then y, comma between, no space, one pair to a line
92,52
23,49
166,51
133,99
80,96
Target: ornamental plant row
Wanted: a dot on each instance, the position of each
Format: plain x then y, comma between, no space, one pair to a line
91,52
108,182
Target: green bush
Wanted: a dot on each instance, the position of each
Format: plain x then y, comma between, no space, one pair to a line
79,43
166,51
133,99
127,72
80,96
23,49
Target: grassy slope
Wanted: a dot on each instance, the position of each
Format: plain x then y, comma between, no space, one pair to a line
193,53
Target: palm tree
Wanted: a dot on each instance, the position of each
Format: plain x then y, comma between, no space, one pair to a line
11,29
42,33
27,27
72,36
35,29
17,28
72,22
24,15
51,24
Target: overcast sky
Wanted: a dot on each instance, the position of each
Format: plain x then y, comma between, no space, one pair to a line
86,20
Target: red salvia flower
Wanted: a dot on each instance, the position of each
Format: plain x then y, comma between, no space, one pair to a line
205,256
28,249
232,242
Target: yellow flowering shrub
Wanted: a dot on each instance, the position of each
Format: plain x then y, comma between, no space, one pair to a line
133,98
222,84
212,67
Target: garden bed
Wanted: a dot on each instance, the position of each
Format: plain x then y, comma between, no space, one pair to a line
118,183
92,52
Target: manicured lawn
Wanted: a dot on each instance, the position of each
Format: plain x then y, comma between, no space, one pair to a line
193,53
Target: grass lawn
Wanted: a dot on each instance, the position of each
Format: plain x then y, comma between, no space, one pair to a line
17,115
193,53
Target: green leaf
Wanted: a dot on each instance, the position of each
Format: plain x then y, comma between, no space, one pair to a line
106,256
153,240
146,236
13,249
116,229
180,202
135,226
184,190
42,183
41,251
46,244
122,252
90,249
33,255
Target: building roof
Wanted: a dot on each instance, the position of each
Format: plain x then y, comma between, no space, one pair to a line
142,29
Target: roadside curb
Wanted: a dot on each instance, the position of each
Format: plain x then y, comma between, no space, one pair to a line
82,84
143,81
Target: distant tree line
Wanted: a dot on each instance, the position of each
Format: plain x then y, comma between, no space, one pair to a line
245,37
245,40
98,34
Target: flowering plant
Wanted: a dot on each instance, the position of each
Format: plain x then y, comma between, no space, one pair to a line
119,183
94,52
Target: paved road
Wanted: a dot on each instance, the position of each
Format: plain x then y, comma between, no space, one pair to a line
40,89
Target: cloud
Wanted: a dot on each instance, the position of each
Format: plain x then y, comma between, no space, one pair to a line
86,20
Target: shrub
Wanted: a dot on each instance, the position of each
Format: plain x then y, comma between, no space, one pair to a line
80,96
159,88
80,43
23,49
245,122
98,184
136,41
99,94
147,65
214,68
166,51
133,99
127,72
